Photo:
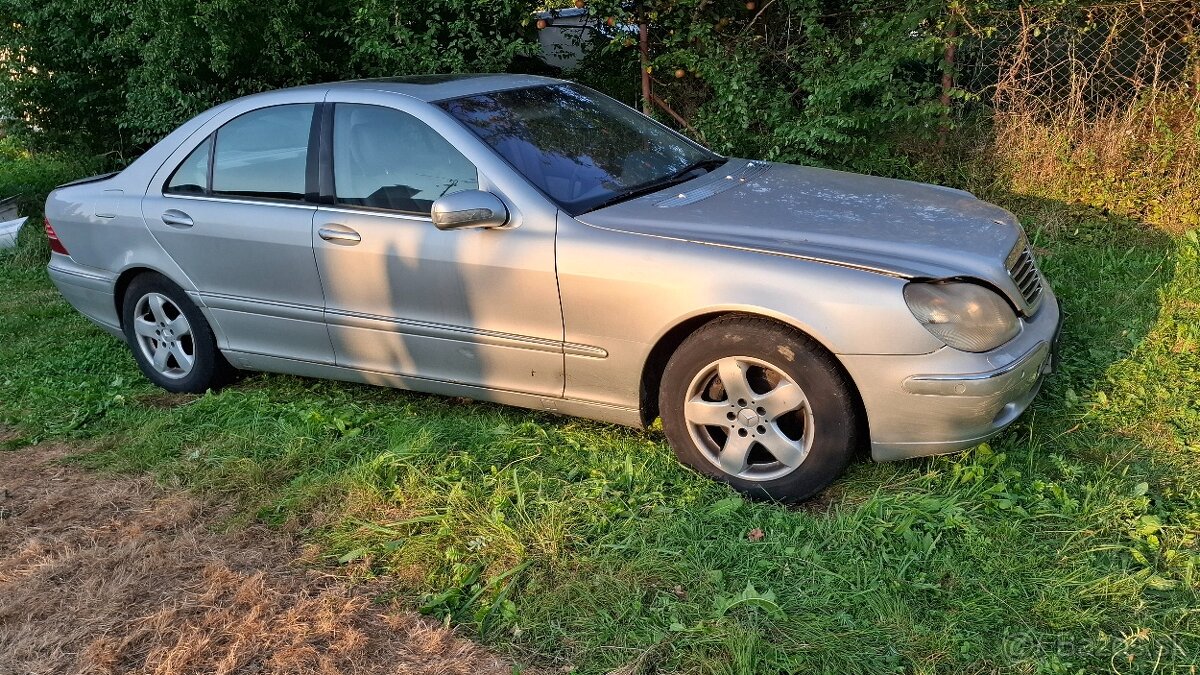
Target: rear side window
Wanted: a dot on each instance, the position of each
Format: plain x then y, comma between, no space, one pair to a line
191,177
263,154
387,159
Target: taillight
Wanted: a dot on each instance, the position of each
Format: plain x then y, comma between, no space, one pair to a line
55,244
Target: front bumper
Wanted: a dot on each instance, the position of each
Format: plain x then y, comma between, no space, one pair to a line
951,400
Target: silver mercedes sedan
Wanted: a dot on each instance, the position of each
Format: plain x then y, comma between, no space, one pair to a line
532,242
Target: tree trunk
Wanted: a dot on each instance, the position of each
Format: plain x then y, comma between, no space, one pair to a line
644,59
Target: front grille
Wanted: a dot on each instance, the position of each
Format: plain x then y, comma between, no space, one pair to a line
1024,273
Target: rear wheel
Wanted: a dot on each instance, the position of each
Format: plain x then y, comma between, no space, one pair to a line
760,407
170,338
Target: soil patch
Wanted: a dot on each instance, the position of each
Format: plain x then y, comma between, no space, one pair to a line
104,574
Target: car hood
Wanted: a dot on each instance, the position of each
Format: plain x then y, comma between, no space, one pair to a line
891,226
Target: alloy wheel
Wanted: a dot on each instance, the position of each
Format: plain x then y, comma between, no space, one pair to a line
748,418
164,336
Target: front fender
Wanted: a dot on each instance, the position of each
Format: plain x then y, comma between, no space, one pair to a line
624,292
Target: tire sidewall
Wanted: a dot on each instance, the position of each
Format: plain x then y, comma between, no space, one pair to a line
809,366
207,368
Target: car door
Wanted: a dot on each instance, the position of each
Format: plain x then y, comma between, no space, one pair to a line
233,216
477,307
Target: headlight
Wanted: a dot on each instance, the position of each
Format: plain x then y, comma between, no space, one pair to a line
963,315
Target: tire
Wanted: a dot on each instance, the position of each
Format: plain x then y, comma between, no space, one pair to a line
787,427
170,338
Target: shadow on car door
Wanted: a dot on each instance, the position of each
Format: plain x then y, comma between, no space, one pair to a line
476,307
232,215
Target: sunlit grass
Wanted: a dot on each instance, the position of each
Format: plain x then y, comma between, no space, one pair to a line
1066,544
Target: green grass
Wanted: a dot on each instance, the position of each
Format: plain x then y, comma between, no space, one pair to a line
1067,544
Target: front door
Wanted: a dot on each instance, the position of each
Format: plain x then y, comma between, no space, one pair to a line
232,215
476,307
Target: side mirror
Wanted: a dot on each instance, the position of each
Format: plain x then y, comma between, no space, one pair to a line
469,209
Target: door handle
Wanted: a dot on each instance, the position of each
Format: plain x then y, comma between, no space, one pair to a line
339,234
176,218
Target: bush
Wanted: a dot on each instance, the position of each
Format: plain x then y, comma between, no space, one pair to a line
31,177
792,80
850,85
797,80
112,77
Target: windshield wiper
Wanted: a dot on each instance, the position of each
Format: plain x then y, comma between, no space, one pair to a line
708,164
681,176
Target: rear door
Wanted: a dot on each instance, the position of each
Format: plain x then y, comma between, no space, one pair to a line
233,215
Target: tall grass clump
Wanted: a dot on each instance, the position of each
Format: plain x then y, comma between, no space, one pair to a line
1136,160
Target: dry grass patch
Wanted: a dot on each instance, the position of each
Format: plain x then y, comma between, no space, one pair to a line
1135,161
106,575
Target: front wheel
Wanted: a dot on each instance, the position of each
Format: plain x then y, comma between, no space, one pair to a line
759,406
170,338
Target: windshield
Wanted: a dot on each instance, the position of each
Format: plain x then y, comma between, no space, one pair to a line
579,147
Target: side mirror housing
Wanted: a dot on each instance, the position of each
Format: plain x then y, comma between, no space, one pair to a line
469,209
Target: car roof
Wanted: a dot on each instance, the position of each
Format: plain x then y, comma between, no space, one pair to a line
439,87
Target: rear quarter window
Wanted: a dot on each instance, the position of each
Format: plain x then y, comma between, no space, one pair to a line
191,176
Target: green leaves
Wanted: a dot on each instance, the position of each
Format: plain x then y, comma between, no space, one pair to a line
723,507
750,598
472,598
833,87
109,77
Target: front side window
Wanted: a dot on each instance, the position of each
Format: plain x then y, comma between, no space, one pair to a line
263,154
581,148
387,159
191,178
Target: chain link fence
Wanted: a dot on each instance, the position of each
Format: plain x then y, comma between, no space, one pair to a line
1076,60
